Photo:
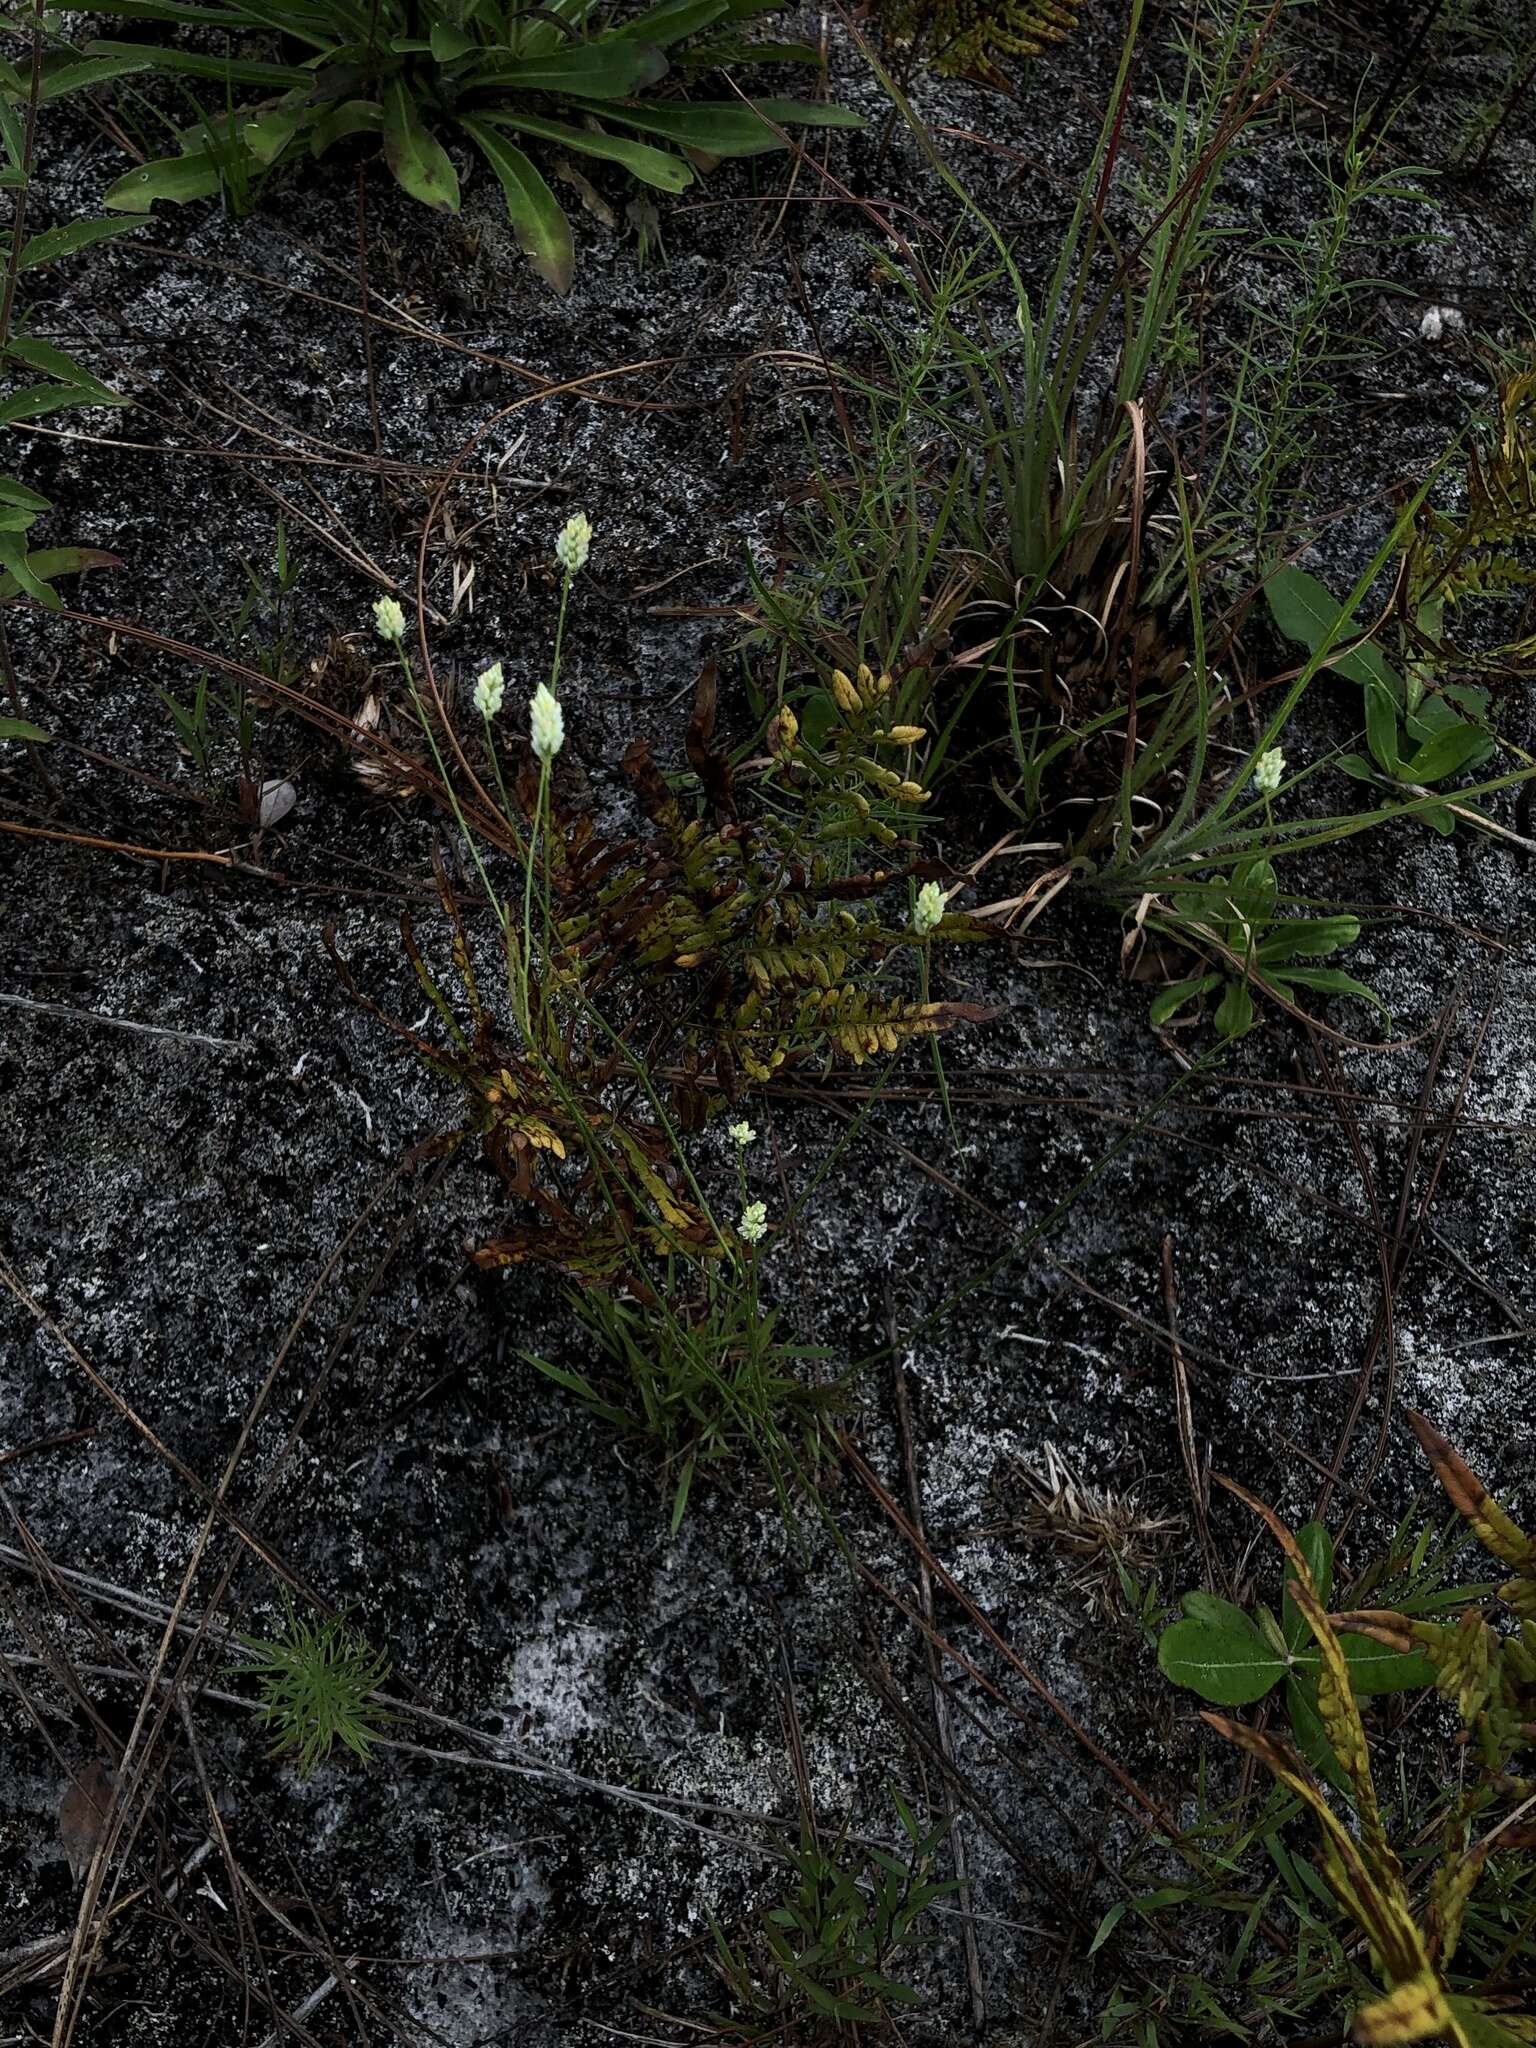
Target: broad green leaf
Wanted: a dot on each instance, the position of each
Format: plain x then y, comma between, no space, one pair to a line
1308,938
53,244
1375,1668
607,70
809,114
352,117
22,571
20,729
172,11
38,354
419,161
270,134
1432,715
658,167
176,178
1463,697
73,74
1316,1546
727,51
18,495
1333,981
673,20
1307,1726
43,564
1219,1652
1381,727
1305,610
1444,754
724,130
542,230
1177,994
448,44
1481,2027
35,400
192,64
1234,1018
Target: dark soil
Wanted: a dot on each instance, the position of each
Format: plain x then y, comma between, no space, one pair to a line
178,1199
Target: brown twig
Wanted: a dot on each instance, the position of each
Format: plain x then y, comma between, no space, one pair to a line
941,1721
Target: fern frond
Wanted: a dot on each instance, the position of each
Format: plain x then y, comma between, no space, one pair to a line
975,35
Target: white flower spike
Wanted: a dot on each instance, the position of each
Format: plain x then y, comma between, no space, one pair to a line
1268,771
546,723
575,543
490,688
754,1222
743,1133
930,908
389,620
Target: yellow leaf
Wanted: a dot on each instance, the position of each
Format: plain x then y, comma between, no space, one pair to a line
1412,2011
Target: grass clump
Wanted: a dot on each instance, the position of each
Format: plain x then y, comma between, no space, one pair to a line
705,1385
1411,1923
405,72
316,1680
818,1964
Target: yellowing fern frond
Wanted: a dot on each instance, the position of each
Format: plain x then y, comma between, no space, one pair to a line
956,36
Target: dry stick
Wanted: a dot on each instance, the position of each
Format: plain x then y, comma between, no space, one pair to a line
36,1960
136,852
366,320
1407,1232
321,1378
879,1677
1186,1422
404,323
980,1679
356,462
941,1721
54,1657
1084,1286
109,1393
174,1684
1523,86
1037,1685
306,2006
74,1015
270,689
71,1992
242,1911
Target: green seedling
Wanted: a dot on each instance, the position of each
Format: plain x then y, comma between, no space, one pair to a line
1238,921
1418,734
317,1680
1232,1657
